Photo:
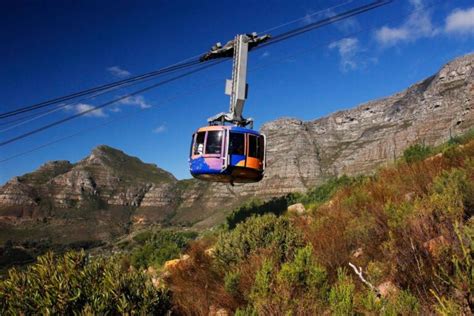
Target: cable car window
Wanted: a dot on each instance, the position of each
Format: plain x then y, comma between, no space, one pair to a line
253,150
199,144
261,147
214,142
237,144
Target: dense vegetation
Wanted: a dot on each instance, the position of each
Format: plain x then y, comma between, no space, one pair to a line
75,283
408,228
155,248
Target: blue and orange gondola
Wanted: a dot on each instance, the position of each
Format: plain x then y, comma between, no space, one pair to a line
230,153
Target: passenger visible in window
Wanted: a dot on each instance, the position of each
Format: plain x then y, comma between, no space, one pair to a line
199,144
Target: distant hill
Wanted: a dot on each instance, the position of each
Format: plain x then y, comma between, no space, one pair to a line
109,193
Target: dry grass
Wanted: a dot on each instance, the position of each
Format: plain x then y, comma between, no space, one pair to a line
403,218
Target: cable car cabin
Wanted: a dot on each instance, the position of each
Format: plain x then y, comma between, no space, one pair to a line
227,154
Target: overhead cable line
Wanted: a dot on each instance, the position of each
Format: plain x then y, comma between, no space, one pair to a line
306,17
183,65
303,51
95,108
323,22
35,116
279,38
155,73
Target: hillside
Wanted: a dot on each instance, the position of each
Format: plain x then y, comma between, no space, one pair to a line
109,193
397,242
81,204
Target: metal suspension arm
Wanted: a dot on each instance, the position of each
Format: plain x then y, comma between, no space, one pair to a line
237,87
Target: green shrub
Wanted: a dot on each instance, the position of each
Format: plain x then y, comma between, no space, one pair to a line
416,152
397,214
448,193
375,272
257,207
266,231
462,139
262,287
231,282
405,303
371,303
304,274
73,283
160,247
341,296
325,191
142,237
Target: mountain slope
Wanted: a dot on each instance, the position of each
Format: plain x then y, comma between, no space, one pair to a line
303,154
300,155
80,204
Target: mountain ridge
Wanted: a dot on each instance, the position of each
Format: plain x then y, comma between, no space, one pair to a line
300,155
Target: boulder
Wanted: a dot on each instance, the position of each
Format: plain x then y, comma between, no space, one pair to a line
297,209
357,253
170,264
435,245
218,311
387,289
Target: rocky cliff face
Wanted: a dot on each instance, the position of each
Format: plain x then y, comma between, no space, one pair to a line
300,155
303,154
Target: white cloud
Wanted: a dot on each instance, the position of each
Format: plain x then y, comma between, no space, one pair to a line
159,129
348,49
265,54
82,107
118,72
136,100
460,21
417,25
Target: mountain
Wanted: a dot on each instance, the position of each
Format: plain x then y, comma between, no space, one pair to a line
303,154
109,193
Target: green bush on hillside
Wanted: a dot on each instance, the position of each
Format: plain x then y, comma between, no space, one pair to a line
341,296
303,275
416,152
74,284
279,205
462,139
258,232
262,287
257,207
324,192
451,191
159,247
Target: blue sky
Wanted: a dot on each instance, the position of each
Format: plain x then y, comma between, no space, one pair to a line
52,48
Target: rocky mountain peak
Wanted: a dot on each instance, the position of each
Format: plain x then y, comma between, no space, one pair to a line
103,153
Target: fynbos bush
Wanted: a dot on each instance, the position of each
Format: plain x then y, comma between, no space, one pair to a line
159,247
267,231
73,284
416,152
